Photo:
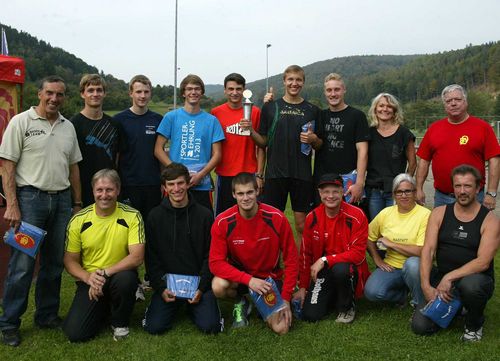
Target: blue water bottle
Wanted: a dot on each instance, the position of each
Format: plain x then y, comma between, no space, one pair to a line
304,147
296,309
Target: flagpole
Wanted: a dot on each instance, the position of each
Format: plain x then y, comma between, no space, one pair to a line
267,67
175,59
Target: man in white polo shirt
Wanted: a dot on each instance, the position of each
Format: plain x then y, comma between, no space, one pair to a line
40,158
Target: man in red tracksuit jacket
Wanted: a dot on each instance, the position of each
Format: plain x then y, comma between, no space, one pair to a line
332,255
247,242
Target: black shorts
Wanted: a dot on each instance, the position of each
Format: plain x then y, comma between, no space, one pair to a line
224,198
301,193
203,197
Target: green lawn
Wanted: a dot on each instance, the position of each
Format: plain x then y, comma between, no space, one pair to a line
380,332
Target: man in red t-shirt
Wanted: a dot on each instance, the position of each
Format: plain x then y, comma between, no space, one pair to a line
458,139
248,241
239,152
332,263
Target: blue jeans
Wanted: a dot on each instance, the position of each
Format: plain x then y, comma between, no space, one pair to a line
392,286
377,200
444,198
50,212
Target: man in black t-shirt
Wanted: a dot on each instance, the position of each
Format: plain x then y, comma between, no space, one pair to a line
97,133
288,168
464,236
344,133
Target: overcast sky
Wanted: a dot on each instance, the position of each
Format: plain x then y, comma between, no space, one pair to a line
216,37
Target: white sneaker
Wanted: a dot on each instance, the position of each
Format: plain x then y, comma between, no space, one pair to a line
120,332
472,336
146,285
346,317
139,294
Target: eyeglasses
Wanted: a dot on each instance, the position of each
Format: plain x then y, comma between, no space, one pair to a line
406,192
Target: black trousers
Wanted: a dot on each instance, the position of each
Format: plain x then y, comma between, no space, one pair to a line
224,195
160,315
86,317
142,198
203,197
474,291
333,290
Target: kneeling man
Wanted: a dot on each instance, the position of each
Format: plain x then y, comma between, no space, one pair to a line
178,233
333,268
247,242
104,247
464,237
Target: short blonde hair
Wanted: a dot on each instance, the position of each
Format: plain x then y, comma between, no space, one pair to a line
334,76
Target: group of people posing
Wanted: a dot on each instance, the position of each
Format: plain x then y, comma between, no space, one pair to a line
114,192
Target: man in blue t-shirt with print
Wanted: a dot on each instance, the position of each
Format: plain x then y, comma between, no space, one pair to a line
195,138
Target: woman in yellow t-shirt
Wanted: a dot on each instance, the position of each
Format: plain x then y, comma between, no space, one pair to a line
401,230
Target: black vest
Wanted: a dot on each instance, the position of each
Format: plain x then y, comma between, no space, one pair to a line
458,241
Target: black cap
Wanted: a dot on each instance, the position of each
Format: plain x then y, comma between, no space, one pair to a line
331,178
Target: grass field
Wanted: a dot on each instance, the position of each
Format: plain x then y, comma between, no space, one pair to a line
160,108
380,332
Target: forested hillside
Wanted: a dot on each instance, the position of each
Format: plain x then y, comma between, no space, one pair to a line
42,59
410,77
416,80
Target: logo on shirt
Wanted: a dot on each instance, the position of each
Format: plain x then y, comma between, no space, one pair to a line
292,111
400,240
334,128
150,130
238,241
190,145
235,129
34,132
459,234
464,139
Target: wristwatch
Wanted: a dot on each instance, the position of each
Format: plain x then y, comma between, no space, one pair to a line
493,194
325,261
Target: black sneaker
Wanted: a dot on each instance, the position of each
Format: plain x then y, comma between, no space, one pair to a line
11,337
52,324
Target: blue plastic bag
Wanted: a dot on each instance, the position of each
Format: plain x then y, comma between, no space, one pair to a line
441,312
27,239
182,286
269,303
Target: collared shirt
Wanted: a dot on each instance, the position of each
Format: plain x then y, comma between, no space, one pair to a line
42,152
